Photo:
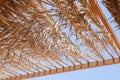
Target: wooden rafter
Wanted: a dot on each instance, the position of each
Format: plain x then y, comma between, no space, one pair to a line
102,17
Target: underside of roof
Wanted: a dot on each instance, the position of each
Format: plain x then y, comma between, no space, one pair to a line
43,37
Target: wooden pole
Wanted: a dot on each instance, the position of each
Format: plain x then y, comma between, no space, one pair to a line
102,17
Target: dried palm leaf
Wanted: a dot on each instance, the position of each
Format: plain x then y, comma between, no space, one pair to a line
114,7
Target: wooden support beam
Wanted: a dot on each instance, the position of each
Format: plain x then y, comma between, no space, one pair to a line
102,17
67,69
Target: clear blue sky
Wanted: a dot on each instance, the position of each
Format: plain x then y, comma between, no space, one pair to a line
111,72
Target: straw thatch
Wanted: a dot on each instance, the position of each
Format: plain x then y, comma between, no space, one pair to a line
114,7
36,33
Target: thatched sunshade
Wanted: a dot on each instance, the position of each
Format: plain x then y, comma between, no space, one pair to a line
41,37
